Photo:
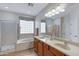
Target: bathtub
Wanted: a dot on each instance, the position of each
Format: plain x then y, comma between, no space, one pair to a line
21,44
25,43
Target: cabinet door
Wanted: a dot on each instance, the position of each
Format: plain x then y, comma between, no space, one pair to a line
35,45
43,49
40,48
46,51
55,51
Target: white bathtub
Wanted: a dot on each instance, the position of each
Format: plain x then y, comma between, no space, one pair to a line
25,43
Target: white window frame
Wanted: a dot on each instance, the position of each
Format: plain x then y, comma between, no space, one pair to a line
27,31
43,23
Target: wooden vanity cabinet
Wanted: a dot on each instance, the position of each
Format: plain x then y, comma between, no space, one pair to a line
43,49
38,47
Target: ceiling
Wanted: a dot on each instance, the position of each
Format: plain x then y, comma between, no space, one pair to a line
23,8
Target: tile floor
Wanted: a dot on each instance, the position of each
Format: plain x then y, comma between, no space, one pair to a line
29,52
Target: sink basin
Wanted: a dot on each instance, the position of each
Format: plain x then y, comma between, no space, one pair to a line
42,37
62,46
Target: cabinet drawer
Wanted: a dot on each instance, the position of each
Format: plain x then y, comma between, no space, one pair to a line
55,51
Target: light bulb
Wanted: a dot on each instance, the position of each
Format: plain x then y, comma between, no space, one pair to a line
53,10
49,12
52,14
58,8
49,15
46,15
6,7
57,12
62,10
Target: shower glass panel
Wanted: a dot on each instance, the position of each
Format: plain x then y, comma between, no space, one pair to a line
8,34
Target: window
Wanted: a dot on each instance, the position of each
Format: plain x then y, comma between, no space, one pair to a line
26,27
43,27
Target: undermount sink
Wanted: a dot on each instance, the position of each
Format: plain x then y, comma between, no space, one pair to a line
41,37
62,46
44,37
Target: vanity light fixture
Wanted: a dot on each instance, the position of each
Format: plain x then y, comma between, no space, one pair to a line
55,11
48,14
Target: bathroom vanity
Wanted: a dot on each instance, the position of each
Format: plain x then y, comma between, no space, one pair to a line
44,49
47,47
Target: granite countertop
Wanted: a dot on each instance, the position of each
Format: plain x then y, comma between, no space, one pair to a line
72,50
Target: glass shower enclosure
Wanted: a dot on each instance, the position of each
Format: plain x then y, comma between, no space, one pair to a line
8,34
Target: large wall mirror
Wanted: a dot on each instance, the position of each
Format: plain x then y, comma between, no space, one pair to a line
64,27
53,27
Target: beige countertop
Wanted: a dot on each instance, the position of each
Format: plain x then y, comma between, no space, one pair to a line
72,50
